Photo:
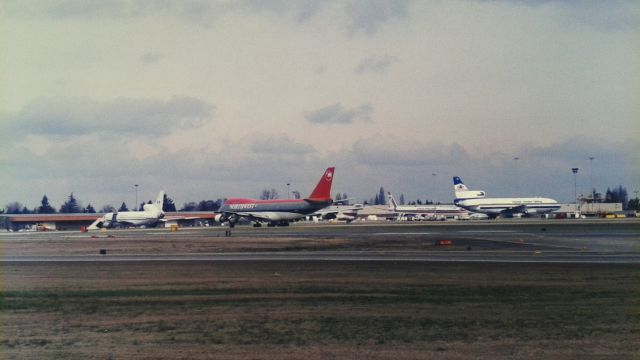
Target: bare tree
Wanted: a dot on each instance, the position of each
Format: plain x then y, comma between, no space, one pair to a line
269,194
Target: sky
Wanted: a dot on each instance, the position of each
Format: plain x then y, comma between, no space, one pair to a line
216,99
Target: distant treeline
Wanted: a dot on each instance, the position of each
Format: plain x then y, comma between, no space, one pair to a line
73,205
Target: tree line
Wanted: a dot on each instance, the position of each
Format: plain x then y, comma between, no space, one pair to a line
72,205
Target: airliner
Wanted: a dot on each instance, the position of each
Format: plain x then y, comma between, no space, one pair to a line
347,213
277,212
476,201
150,216
426,212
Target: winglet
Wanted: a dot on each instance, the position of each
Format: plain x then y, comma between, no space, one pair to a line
322,190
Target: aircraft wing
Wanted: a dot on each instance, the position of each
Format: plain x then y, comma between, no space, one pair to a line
184,217
251,216
328,212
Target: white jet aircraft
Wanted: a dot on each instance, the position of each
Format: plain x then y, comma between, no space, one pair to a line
151,214
476,201
426,212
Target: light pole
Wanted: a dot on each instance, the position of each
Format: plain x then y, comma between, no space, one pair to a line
591,176
575,185
288,196
517,183
434,194
136,205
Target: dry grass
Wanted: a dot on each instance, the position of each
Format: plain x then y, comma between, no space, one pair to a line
316,310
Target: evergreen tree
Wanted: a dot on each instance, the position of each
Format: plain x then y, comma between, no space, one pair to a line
45,207
634,204
123,207
209,205
190,206
13,208
617,195
168,204
107,209
381,196
401,199
90,209
70,206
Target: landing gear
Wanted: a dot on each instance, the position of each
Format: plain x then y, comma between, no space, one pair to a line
257,224
278,223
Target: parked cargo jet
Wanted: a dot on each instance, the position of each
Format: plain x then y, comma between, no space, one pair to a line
476,201
151,214
277,212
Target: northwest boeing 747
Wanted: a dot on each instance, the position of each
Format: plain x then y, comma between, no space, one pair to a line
475,201
277,212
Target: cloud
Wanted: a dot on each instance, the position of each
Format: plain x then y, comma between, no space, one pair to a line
337,114
302,10
102,170
150,58
363,16
122,116
391,150
368,16
280,144
609,15
375,64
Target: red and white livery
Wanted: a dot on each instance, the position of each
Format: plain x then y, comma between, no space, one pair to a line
277,212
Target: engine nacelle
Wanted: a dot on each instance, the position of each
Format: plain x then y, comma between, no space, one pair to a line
220,218
233,218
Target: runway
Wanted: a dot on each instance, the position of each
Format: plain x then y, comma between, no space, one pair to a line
494,257
529,241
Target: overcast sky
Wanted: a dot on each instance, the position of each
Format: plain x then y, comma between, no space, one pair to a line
209,99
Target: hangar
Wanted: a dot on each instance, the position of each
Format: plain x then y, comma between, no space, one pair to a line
44,222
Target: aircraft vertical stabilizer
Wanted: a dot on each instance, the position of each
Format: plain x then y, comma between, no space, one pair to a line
322,190
462,191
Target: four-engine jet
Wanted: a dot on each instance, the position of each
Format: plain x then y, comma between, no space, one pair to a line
277,212
475,201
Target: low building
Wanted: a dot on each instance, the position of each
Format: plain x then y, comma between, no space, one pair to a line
591,209
46,222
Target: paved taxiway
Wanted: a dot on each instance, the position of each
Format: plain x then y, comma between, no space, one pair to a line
551,241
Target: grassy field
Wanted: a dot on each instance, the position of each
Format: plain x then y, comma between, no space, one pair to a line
319,310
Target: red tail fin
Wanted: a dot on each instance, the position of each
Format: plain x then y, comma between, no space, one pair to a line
323,189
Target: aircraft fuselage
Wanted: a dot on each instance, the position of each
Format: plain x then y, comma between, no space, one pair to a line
497,206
